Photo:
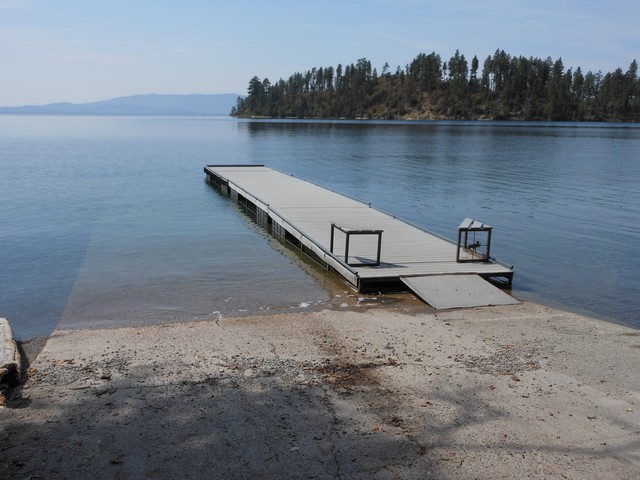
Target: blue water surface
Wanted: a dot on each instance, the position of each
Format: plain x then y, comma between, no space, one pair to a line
108,221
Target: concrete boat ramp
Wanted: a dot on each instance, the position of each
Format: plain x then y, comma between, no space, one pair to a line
370,249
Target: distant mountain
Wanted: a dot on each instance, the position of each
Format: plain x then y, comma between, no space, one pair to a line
150,104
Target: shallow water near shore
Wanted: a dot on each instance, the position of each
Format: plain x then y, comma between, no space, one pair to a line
108,221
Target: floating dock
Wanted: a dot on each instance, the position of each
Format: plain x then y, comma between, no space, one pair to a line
370,249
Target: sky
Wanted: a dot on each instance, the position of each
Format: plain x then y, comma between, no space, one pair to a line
89,50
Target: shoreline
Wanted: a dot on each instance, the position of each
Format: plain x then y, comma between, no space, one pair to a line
491,392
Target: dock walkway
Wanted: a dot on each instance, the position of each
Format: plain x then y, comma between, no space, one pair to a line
366,246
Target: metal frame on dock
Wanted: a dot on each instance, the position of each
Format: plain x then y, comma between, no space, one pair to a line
469,225
354,231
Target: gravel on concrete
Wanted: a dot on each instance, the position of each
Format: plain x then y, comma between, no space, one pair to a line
521,391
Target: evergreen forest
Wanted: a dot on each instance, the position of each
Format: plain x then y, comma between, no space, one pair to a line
504,87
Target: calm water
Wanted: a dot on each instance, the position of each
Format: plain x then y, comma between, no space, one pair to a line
108,220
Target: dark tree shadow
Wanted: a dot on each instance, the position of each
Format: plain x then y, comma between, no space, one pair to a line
283,419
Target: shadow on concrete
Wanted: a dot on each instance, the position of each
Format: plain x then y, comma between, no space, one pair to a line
335,422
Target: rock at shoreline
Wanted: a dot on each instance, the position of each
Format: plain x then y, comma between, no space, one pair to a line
9,358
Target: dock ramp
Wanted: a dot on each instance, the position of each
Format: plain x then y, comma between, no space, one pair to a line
457,291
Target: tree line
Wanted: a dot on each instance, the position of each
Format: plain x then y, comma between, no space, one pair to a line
506,88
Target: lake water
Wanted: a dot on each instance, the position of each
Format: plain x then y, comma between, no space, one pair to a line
108,221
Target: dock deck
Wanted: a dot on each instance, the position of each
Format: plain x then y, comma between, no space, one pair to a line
381,248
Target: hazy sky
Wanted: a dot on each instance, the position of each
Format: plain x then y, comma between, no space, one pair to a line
87,50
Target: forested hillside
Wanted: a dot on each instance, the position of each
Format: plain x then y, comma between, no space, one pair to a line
504,87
